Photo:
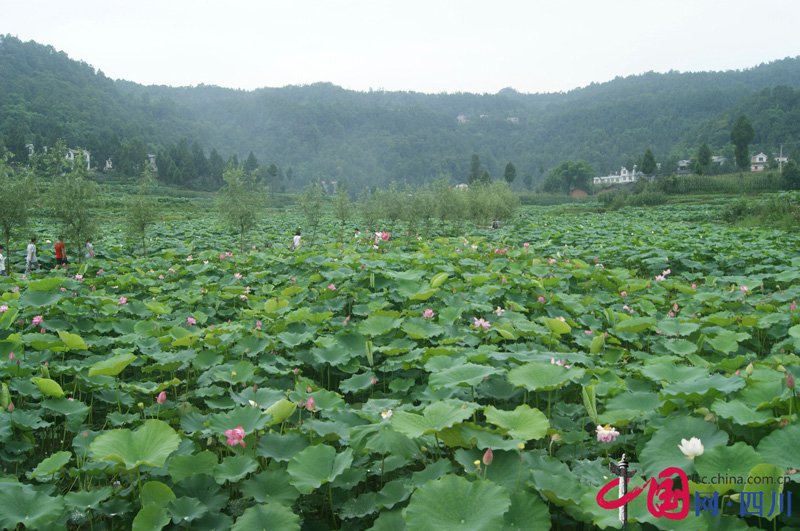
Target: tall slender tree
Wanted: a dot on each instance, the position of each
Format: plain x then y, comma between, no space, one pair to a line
741,136
510,173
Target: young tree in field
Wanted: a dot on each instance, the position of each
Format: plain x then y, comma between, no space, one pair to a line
474,169
15,201
741,136
72,197
240,202
649,163
143,209
311,204
704,157
510,174
370,210
342,207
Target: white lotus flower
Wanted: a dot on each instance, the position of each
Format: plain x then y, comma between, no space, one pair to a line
691,448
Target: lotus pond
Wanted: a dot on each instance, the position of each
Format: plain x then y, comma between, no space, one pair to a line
361,385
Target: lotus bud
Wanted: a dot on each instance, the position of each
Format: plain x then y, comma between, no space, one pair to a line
781,368
141,405
308,389
488,457
295,371
10,407
162,397
749,370
85,433
789,380
11,356
310,404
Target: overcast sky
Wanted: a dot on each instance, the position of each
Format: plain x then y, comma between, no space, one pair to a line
426,46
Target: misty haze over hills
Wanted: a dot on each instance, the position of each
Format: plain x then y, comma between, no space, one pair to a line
322,131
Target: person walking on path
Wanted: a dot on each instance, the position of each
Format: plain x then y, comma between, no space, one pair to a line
61,254
296,242
3,271
89,250
30,256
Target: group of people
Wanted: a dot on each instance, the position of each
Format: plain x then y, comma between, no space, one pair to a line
31,261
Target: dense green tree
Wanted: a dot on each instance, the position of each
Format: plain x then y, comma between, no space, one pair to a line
342,208
250,164
527,180
649,163
741,136
216,166
704,157
510,173
73,198
790,175
240,202
567,176
474,174
14,141
16,201
143,207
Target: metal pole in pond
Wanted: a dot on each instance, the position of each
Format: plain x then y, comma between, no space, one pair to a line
621,470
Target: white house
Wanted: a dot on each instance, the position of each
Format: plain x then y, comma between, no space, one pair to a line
71,153
758,162
624,176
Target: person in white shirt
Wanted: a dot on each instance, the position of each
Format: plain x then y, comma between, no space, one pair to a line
30,256
2,261
89,249
296,243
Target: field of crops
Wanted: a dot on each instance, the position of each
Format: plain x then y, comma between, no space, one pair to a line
421,382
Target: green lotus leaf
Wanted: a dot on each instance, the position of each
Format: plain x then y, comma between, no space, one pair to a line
112,366
453,503
271,515
149,445
740,413
317,465
73,341
435,417
635,324
523,423
156,493
766,479
51,465
87,499
780,447
234,468
185,509
377,325
662,451
543,376
21,504
186,465
150,518
48,387
557,326
468,374
270,486
527,511
724,462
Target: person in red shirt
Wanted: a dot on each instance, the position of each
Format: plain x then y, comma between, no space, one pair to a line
61,254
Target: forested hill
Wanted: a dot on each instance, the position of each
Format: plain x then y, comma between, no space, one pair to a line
322,131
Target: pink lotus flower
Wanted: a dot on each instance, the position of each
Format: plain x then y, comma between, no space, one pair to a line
481,323
189,258
63,288
386,414
122,301
11,356
541,299
3,308
258,325
526,245
235,436
694,286
37,320
99,272
373,381
499,311
237,276
606,434
623,293
488,457
161,277
660,278
744,289
254,247
551,261
243,297
310,404
191,321
332,287
162,397
428,313
792,307
15,289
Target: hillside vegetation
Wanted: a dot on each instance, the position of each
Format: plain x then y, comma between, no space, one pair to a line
321,131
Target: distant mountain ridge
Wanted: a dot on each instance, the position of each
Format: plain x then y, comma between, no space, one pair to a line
322,131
